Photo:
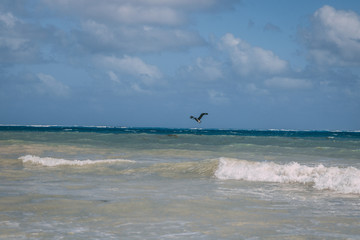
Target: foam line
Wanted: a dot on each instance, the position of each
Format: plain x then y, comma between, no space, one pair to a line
53,162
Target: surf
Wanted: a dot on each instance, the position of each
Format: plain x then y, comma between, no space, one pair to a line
342,180
54,162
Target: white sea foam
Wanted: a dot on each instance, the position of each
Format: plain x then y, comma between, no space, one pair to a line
343,180
53,162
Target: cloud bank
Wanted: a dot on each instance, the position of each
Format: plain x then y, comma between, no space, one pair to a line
247,59
154,56
334,37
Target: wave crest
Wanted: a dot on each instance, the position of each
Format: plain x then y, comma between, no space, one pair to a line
343,180
53,162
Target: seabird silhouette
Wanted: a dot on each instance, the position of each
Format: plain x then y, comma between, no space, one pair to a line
198,118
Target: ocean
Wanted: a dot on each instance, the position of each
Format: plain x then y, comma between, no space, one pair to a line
71,182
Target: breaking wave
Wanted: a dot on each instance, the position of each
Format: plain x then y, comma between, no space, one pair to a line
343,180
53,162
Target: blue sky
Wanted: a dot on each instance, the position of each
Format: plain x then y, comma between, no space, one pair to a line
251,64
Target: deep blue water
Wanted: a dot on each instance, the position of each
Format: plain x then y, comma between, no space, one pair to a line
195,131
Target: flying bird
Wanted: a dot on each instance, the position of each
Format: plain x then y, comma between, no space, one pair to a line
198,118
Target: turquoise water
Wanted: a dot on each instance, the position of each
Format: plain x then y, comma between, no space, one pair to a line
150,183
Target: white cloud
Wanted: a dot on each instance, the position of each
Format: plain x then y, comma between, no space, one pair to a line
271,27
8,19
247,59
255,90
288,83
163,12
100,37
14,46
334,37
99,31
134,26
210,68
13,43
150,15
49,85
113,77
21,42
134,66
217,97
126,12
204,69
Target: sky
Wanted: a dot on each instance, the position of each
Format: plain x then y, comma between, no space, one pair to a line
251,64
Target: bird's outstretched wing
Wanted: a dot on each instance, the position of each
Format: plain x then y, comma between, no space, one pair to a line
201,115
